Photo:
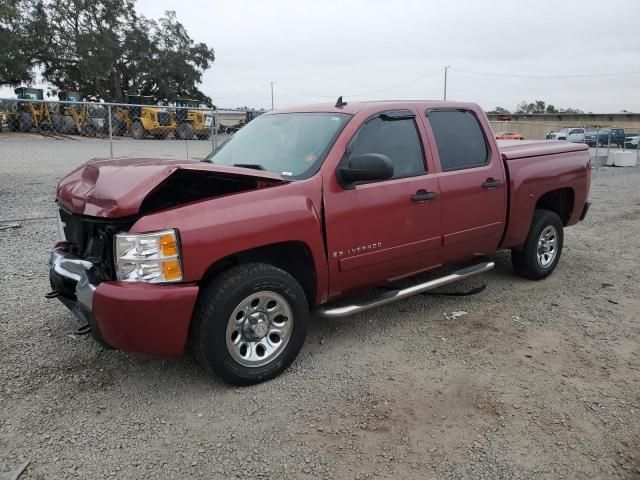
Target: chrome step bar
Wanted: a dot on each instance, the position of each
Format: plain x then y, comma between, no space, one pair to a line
395,295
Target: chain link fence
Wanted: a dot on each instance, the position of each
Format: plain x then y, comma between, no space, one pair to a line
35,132
605,142
43,140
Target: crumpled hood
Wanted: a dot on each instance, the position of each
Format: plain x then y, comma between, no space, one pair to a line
117,187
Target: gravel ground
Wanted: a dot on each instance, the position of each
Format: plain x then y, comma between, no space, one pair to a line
538,380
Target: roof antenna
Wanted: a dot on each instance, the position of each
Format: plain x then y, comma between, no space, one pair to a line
340,103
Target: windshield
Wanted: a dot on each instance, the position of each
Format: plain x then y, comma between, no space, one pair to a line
32,94
290,144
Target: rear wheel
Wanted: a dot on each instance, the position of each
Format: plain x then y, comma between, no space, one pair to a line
25,122
542,249
204,136
137,130
250,323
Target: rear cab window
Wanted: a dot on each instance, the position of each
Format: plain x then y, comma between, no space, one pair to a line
459,138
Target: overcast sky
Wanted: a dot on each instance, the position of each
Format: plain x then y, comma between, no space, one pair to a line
352,47
348,47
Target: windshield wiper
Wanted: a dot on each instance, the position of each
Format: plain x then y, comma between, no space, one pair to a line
255,166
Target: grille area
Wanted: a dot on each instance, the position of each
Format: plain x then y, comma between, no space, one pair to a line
91,239
164,118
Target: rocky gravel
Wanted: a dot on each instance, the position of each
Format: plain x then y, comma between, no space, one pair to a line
538,380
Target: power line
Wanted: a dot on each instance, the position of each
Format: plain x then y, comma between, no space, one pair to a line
509,75
365,93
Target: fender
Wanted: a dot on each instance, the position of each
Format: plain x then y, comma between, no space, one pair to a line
214,229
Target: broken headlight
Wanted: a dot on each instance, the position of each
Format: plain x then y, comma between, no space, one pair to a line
148,257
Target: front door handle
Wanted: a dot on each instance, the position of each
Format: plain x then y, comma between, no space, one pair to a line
491,183
423,196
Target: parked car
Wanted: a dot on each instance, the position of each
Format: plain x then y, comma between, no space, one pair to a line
298,209
570,134
509,136
631,141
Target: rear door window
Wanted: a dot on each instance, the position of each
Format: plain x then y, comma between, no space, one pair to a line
460,140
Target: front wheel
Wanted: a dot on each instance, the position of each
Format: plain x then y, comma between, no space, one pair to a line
250,323
542,249
137,130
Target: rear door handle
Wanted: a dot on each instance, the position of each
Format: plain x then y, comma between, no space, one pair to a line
491,183
423,196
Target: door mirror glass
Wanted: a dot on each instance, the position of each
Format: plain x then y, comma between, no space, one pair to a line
366,167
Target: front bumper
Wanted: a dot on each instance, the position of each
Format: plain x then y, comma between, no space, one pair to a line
131,316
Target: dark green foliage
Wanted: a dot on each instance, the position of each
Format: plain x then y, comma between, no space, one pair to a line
540,106
102,49
500,111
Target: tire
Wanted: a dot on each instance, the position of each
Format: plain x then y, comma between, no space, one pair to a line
137,130
25,122
234,306
546,233
56,122
185,131
89,130
204,136
68,125
12,123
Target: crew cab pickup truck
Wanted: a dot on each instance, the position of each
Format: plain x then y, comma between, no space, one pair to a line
297,211
571,134
603,137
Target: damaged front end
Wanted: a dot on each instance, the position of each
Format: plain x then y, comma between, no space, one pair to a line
81,261
107,197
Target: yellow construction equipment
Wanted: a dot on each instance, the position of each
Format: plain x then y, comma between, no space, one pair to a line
190,122
26,115
72,117
141,117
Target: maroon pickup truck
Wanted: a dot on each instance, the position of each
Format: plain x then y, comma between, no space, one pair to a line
300,207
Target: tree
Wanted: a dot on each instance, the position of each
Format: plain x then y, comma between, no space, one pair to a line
541,107
500,111
570,110
20,41
104,50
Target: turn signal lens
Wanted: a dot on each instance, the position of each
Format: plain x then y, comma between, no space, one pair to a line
172,270
168,245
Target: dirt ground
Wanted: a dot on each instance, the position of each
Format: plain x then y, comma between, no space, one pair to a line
538,380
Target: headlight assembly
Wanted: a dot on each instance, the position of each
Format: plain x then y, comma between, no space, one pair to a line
148,257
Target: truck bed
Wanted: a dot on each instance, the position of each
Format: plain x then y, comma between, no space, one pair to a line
514,149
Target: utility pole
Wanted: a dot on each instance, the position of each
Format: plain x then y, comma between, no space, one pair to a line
272,95
445,80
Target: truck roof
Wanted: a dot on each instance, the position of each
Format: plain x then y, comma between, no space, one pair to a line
353,108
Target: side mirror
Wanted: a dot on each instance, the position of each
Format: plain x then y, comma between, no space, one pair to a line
366,168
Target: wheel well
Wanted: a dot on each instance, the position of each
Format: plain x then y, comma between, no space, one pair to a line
295,258
559,201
